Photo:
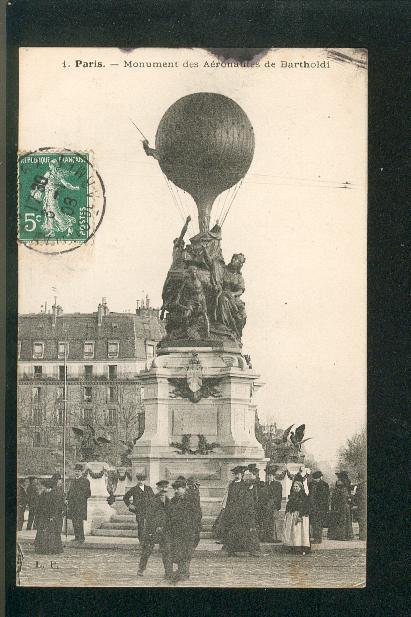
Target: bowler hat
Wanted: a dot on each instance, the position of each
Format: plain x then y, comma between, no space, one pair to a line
238,469
341,474
252,467
179,483
140,477
271,469
162,483
78,467
316,474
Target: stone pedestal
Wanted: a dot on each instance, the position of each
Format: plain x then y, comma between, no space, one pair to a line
98,510
224,413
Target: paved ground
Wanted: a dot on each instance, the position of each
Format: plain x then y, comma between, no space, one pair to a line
337,564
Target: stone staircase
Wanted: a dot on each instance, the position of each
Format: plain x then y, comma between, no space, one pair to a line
123,523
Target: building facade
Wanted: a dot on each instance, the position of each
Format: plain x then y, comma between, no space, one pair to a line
97,357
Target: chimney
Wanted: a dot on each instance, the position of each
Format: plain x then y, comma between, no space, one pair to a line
54,309
99,314
137,306
147,301
105,307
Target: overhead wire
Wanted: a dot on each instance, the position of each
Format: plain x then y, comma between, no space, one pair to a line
237,188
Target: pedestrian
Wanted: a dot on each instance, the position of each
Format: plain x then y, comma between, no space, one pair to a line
193,492
296,532
60,498
49,513
154,531
21,502
240,519
302,477
340,527
218,527
33,492
270,506
258,491
361,503
181,529
77,496
319,496
137,500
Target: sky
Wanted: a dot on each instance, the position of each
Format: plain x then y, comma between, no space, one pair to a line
304,237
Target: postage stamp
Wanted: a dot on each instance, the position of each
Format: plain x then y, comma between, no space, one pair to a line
61,199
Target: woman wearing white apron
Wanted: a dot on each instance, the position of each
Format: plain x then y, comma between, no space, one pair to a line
296,532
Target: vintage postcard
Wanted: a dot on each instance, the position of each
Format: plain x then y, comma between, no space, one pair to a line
191,391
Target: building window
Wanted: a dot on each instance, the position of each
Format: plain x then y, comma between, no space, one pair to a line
87,394
61,372
141,393
150,352
37,440
60,393
36,416
62,347
38,372
18,349
38,350
59,440
112,349
87,415
88,371
112,417
36,395
112,394
112,371
89,349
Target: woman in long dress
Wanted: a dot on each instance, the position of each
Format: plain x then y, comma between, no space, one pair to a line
340,527
296,532
49,522
55,220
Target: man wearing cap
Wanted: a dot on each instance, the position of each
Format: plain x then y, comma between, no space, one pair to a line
270,505
156,517
319,498
181,529
77,496
137,500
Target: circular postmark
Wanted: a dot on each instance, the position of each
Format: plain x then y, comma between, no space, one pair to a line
61,199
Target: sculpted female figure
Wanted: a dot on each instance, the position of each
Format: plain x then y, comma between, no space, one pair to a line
229,308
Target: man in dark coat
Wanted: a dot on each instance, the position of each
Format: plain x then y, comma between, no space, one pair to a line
258,492
181,529
270,506
77,496
319,500
156,517
137,500
33,494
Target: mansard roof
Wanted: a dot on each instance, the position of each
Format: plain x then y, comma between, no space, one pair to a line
129,329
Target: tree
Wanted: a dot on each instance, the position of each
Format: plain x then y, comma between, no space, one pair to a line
353,456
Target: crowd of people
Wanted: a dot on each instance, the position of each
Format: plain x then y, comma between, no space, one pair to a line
250,514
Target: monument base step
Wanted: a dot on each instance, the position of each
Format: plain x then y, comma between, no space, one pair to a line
132,533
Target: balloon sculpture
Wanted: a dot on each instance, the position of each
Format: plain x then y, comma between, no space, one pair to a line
205,146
